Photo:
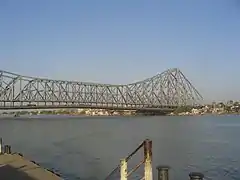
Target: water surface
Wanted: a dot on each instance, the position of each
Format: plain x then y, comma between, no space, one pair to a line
88,148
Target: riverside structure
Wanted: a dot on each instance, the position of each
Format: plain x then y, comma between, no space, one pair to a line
14,166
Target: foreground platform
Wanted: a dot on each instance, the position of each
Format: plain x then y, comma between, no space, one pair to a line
16,167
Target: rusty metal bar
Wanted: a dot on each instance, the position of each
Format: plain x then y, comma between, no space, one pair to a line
134,169
127,159
147,145
113,172
148,159
135,151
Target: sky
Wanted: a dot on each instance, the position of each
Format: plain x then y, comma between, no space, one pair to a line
120,42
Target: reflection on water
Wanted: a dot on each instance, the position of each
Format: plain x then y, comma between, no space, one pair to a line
88,148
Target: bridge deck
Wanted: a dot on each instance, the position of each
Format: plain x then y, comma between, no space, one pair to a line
14,166
160,108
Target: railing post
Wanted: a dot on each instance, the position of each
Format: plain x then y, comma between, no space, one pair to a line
1,146
123,169
148,159
163,172
196,176
7,149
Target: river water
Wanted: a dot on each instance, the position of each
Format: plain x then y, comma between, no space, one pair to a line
88,148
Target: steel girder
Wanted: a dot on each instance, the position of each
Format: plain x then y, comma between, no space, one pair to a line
170,88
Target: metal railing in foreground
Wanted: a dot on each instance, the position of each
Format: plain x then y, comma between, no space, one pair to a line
147,161
163,171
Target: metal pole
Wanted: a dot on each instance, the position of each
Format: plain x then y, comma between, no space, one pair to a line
1,146
163,172
7,149
148,159
123,169
196,176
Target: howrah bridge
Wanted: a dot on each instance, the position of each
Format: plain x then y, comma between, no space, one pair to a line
165,91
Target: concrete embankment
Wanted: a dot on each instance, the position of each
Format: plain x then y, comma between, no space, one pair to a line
16,167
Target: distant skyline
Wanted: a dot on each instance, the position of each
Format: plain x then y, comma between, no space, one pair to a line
120,42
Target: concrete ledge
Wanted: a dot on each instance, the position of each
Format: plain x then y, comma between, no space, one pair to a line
15,166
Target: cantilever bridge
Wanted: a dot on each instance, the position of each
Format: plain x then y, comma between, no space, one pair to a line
167,90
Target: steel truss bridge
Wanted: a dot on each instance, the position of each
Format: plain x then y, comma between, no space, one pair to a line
167,90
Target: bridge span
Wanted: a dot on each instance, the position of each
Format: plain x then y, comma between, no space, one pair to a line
165,91
163,108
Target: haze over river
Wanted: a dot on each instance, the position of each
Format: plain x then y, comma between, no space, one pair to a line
88,148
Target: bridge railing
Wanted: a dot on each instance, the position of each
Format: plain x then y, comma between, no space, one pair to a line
122,168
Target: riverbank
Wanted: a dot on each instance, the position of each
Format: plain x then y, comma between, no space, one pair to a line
180,111
70,112
206,110
15,166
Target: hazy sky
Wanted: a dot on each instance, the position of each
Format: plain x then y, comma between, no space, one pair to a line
124,41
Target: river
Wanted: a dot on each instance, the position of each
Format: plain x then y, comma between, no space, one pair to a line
88,148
